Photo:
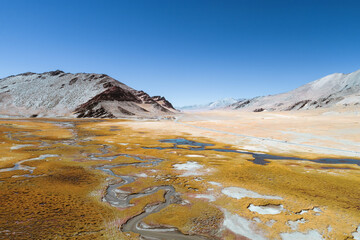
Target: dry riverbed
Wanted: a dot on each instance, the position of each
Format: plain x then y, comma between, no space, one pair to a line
117,179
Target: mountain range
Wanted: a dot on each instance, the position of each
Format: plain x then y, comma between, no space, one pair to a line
90,95
225,102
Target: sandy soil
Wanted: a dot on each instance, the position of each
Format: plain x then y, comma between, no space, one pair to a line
315,133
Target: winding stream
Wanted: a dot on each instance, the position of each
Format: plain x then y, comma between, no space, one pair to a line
121,199
19,165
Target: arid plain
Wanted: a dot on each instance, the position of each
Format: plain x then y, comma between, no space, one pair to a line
199,175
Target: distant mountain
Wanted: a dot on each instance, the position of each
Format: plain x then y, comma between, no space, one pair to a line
225,102
82,95
337,89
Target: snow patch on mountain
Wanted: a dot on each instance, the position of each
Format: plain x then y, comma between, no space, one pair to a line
222,103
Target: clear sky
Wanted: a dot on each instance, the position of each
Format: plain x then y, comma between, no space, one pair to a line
191,51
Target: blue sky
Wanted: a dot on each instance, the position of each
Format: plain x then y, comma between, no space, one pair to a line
191,51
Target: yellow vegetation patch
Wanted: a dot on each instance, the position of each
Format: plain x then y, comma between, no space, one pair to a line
194,218
62,198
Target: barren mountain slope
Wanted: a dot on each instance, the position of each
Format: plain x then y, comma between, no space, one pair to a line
333,90
57,93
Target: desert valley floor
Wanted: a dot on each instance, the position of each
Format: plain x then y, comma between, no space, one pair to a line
206,175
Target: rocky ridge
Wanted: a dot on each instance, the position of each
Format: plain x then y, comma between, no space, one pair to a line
336,89
60,94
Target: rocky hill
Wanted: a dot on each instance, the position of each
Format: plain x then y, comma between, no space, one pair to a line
59,94
337,89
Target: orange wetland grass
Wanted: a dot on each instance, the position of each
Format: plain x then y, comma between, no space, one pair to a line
59,195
